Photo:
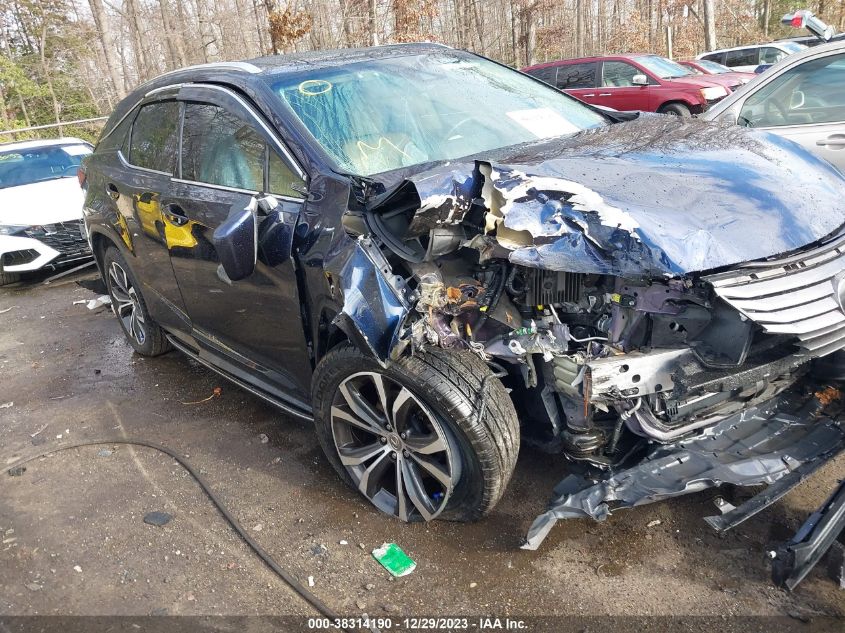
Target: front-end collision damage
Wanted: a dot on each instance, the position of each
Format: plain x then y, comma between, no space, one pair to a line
604,278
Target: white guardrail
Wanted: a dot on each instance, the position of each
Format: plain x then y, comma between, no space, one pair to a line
52,125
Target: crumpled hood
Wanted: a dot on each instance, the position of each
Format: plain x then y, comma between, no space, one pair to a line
656,196
46,202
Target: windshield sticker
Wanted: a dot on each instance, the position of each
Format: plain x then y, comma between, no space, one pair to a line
543,122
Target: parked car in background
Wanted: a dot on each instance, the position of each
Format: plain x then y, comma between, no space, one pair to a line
632,82
802,99
432,269
731,79
748,58
40,206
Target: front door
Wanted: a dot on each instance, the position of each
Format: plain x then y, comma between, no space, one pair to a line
251,328
805,104
618,90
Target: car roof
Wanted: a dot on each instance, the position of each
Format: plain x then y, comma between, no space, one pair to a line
777,44
18,145
595,58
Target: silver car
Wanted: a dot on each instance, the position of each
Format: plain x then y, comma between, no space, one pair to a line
802,99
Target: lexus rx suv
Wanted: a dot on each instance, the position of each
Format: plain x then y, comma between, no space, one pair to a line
435,257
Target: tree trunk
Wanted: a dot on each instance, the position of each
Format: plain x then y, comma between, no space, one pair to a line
107,41
709,25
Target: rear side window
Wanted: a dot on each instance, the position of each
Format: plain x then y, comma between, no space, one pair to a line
745,57
719,58
154,143
771,55
575,76
547,74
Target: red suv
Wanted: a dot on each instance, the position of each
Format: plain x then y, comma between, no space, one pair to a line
632,82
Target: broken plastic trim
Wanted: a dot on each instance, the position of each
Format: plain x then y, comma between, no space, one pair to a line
757,446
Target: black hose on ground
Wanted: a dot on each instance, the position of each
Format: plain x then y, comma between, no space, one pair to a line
292,582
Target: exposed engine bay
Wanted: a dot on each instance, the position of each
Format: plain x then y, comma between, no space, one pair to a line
614,337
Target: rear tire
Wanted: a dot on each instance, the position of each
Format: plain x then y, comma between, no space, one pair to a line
477,444
144,335
676,109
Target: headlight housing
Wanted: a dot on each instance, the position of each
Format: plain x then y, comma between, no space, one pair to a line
714,92
12,229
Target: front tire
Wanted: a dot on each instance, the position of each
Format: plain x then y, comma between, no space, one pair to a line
144,335
676,109
419,439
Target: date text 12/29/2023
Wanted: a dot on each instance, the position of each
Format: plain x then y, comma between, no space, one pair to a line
478,623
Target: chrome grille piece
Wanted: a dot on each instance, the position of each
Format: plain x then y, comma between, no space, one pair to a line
802,295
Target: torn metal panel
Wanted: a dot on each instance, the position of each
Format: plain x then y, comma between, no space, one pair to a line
374,301
756,446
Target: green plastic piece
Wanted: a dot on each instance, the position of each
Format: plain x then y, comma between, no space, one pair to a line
394,560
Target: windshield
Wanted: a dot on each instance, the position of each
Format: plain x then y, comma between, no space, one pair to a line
792,47
663,68
713,67
384,114
36,164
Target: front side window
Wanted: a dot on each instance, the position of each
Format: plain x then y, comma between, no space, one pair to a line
154,142
771,55
38,164
388,113
220,148
719,58
577,76
547,74
618,74
810,93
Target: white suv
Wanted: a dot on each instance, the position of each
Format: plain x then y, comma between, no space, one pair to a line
40,206
748,58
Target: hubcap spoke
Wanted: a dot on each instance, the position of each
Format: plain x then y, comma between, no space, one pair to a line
357,455
350,418
435,470
397,414
360,406
373,474
425,444
401,495
416,491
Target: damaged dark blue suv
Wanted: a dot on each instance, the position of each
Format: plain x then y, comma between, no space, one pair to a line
435,256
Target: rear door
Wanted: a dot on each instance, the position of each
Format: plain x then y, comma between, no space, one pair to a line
129,173
251,328
806,104
579,80
618,90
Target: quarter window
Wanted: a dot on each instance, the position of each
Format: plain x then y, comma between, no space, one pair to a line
155,137
547,74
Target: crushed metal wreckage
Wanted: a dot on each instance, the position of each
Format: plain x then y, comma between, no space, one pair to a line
660,306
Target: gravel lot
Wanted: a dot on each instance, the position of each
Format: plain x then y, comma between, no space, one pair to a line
74,540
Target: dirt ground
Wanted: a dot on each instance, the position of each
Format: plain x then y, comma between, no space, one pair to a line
74,540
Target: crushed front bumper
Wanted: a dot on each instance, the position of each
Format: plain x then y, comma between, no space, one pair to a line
785,438
48,246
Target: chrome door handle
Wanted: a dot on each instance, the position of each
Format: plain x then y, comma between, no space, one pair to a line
590,95
175,215
835,140
605,94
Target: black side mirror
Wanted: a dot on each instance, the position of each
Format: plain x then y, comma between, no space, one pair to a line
236,241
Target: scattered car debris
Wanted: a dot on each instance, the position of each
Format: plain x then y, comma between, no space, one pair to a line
5,310
38,432
17,471
215,393
34,586
759,445
257,527
654,523
104,452
394,560
99,302
262,437
7,405
310,581
77,569
157,518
